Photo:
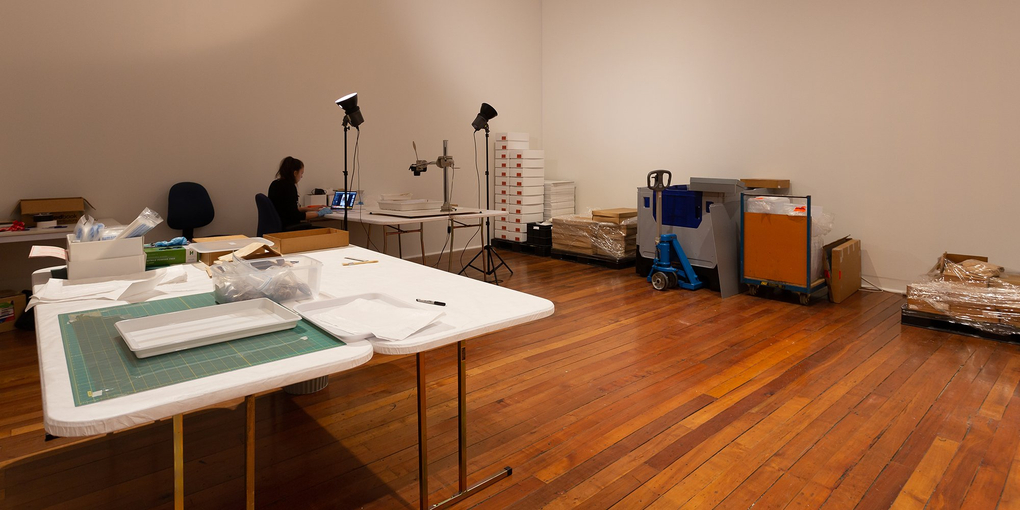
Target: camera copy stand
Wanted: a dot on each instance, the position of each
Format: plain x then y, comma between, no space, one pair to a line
489,265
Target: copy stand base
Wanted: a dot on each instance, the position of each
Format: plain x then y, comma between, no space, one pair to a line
488,254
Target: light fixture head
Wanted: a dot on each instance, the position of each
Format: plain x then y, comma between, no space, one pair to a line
350,105
485,114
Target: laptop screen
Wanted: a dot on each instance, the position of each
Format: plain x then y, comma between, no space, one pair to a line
342,200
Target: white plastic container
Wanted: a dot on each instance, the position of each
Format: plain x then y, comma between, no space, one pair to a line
502,145
535,173
176,331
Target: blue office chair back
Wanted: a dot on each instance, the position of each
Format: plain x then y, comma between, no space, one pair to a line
269,219
189,207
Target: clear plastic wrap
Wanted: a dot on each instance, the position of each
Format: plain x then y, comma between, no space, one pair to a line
281,279
582,235
969,291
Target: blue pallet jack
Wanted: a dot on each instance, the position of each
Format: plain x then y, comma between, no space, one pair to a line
667,251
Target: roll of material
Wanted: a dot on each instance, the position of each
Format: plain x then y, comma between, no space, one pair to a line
46,224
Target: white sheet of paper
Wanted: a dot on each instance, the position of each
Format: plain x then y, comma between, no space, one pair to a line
385,321
48,251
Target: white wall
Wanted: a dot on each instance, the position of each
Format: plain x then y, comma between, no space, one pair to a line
116,100
901,118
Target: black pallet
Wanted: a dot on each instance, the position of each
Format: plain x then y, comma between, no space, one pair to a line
514,246
593,260
936,322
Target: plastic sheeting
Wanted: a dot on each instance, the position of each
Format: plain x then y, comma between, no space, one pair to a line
971,292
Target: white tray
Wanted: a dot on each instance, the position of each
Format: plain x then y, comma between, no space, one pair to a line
176,331
318,313
414,204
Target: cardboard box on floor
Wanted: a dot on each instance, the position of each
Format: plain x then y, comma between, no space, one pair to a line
843,260
66,211
12,305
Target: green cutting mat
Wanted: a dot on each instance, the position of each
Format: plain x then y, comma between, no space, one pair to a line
103,367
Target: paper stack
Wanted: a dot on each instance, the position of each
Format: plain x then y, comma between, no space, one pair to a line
559,199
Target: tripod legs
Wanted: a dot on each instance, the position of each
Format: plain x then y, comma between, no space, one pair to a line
489,265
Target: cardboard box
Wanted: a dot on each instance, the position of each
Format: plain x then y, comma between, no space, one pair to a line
169,256
613,215
766,183
843,264
503,145
66,211
95,259
308,240
211,257
511,136
111,267
12,305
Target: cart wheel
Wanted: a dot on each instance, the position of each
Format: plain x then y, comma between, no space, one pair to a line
752,290
805,299
673,280
660,281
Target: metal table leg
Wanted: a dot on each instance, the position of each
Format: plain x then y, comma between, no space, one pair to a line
423,469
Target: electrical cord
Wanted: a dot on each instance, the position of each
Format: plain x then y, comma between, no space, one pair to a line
478,186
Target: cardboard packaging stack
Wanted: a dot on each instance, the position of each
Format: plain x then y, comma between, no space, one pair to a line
519,177
968,289
582,235
559,199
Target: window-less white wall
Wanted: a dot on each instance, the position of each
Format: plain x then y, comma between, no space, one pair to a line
898,117
117,100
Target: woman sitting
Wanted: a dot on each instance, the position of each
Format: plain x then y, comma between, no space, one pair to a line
284,195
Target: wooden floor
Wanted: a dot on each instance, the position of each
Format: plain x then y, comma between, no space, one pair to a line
625,398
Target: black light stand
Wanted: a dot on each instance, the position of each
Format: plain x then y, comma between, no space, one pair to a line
489,265
352,117
347,127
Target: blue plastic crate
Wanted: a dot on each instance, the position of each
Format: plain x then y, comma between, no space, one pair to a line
680,206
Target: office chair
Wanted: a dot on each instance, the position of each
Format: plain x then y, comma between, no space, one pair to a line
269,219
189,207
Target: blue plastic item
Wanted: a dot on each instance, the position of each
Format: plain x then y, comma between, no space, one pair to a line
680,206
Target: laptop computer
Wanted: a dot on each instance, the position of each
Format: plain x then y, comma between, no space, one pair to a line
344,200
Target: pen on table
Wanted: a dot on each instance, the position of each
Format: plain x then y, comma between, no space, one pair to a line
431,302
354,259
360,263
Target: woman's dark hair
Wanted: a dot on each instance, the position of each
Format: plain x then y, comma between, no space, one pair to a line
289,168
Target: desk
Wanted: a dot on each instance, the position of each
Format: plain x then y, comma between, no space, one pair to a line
365,217
473,308
45,234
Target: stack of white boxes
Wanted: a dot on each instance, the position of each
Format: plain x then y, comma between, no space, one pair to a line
559,199
519,185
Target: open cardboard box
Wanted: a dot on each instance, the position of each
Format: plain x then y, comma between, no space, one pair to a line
843,264
308,240
66,211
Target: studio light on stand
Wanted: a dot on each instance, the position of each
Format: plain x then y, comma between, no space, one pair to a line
352,117
489,266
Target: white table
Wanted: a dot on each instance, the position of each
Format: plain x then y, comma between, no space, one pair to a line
370,217
473,308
